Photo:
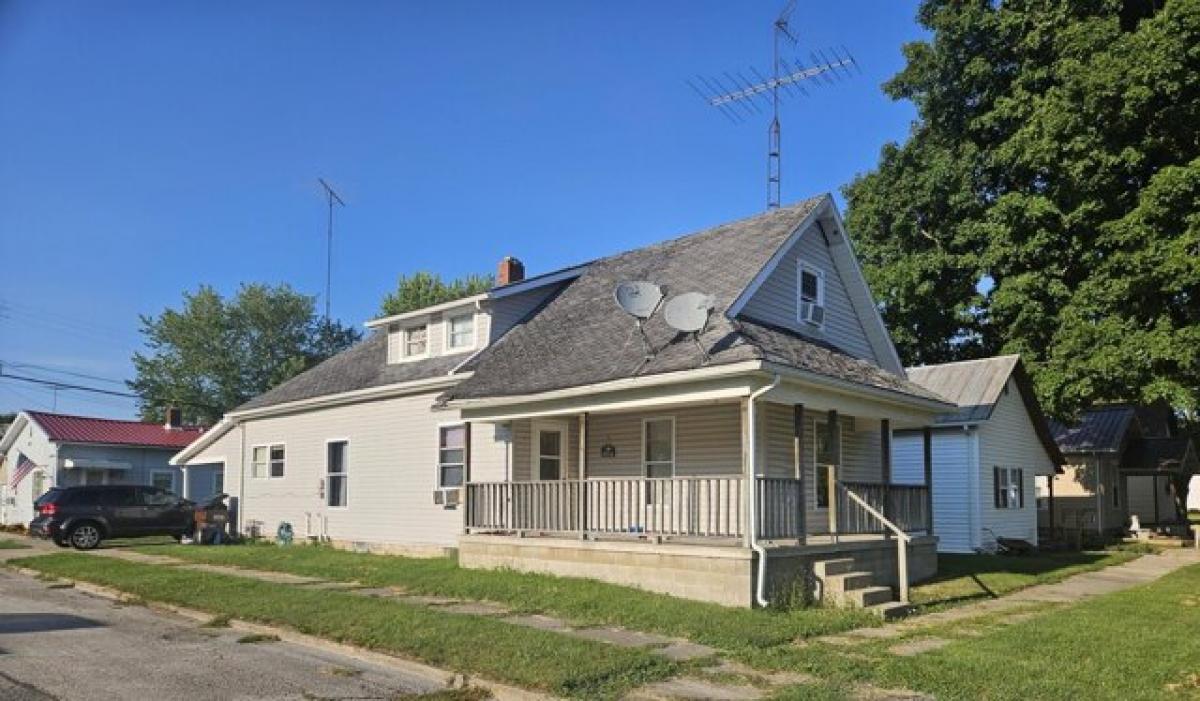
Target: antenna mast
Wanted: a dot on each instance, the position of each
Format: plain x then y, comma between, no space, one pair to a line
331,197
784,74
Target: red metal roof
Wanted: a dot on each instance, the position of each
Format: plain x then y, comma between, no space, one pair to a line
64,428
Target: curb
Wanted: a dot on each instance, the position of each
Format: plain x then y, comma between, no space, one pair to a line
435,675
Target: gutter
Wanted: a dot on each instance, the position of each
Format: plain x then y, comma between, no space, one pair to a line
752,449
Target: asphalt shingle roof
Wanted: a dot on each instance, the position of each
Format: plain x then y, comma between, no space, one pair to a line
974,385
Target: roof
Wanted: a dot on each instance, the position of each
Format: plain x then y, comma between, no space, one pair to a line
976,386
582,337
361,366
65,428
1159,454
1101,430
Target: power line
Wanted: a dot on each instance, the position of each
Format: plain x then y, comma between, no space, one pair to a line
57,371
64,385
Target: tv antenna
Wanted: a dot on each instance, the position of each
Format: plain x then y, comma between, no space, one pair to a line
640,300
332,197
737,94
689,313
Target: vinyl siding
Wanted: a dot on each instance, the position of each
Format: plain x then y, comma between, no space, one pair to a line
16,507
436,325
1008,439
507,312
775,302
707,441
1142,490
955,477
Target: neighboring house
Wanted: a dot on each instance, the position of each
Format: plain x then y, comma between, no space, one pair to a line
42,450
986,455
529,428
1122,460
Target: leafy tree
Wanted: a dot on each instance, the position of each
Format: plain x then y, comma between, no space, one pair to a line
215,353
422,289
1046,200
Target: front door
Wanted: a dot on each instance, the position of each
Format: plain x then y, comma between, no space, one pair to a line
549,451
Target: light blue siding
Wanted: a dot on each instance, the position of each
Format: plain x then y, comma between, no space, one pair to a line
955,477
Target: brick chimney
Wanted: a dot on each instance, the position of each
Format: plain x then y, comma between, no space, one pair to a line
511,270
173,418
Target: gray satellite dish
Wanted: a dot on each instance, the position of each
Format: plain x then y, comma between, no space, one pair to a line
689,313
639,299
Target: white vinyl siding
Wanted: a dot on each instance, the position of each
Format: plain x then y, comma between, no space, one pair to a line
707,441
1008,440
777,300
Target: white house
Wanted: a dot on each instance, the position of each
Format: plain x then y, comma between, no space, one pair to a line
986,455
539,427
42,450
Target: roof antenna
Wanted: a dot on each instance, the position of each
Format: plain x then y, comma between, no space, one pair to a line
640,300
788,76
689,313
332,197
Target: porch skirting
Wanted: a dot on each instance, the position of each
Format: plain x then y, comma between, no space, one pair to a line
723,574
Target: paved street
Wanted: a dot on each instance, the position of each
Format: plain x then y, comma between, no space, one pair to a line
66,645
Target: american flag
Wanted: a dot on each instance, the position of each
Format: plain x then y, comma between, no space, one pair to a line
24,467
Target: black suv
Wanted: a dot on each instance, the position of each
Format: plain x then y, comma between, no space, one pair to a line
83,516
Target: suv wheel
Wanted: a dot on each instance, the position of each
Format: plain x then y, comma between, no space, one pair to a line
85,536
62,542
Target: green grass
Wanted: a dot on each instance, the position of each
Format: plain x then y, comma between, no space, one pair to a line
10,544
258,638
578,601
962,578
484,646
1140,643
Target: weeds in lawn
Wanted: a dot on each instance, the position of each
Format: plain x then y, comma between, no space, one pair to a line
258,638
217,622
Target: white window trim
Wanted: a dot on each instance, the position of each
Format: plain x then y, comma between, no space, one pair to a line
171,473
267,464
218,473
818,467
1012,497
674,445
345,473
447,349
803,266
535,443
402,352
437,450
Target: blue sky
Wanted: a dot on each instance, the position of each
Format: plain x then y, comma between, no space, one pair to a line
152,147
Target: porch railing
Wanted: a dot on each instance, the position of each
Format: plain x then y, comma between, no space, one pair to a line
780,515
905,506
849,496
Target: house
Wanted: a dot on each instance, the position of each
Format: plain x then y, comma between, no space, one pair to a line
1122,460
42,450
540,427
986,454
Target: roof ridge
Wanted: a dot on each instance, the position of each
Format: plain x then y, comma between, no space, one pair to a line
990,358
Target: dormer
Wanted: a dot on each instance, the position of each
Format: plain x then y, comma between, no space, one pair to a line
454,328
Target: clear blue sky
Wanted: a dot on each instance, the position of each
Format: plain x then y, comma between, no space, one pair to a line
150,147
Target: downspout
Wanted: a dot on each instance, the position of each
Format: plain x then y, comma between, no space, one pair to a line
760,591
241,508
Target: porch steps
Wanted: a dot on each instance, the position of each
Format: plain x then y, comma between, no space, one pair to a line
844,585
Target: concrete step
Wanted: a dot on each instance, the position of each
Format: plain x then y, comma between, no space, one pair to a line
870,596
843,583
827,568
892,610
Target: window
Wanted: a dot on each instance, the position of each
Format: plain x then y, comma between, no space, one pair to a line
163,479
267,461
1009,486
811,307
823,457
452,456
153,496
336,455
416,341
658,447
218,482
460,331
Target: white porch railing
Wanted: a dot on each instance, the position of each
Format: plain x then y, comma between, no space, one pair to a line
902,538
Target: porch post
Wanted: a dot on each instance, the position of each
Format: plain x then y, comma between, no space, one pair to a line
747,471
1050,505
466,500
583,438
798,460
1155,486
927,436
885,466
835,466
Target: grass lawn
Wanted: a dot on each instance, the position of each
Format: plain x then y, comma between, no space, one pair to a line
11,544
1140,643
966,577
470,644
579,601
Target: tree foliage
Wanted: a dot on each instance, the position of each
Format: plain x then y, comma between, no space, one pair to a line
1047,200
423,289
215,353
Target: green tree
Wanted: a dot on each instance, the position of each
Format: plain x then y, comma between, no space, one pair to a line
1046,200
215,353
422,289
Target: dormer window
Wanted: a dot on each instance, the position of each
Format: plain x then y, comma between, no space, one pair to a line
811,307
460,332
416,341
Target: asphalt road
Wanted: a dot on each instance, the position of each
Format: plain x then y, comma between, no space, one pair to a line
65,645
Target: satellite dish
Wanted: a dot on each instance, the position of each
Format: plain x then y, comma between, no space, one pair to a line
639,299
689,312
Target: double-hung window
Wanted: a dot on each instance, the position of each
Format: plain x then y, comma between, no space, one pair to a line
416,341
267,461
811,292
1009,486
337,454
460,332
452,456
658,451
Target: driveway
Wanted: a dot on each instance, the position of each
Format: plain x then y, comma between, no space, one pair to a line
66,645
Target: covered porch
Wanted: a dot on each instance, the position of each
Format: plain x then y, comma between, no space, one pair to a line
696,488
